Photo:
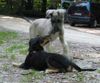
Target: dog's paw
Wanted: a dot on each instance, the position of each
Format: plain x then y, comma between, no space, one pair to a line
48,71
16,64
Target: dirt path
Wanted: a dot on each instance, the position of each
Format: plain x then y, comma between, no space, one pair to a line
89,58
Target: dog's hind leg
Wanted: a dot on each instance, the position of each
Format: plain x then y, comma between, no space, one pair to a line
56,64
48,71
48,47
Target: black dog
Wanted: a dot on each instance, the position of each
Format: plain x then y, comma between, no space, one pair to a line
36,44
42,60
39,60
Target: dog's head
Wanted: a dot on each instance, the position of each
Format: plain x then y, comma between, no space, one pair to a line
36,44
57,16
57,20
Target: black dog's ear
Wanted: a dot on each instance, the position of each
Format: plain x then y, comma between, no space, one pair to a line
35,44
34,41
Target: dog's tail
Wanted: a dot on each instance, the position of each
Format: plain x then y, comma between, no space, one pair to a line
29,20
80,69
88,69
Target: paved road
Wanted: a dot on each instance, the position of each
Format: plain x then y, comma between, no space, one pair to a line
83,37
19,24
14,23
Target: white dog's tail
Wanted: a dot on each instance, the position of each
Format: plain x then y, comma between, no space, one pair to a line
30,20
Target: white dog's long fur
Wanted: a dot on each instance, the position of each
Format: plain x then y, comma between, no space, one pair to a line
44,26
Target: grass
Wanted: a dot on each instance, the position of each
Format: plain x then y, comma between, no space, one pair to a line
3,56
80,77
19,48
13,57
33,75
37,75
6,36
98,71
5,67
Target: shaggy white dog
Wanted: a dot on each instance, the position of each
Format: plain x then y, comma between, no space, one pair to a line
53,27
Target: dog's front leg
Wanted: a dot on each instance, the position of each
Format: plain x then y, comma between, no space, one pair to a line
48,47
65,46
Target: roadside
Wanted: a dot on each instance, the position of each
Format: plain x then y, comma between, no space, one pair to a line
71,33
14,23
84,28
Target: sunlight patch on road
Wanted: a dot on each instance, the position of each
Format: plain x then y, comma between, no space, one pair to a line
7,17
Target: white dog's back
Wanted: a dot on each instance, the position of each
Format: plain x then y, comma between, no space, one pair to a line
40,27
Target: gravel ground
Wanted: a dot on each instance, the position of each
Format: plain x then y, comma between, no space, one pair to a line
86,56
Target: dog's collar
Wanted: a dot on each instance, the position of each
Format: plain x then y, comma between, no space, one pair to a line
46,40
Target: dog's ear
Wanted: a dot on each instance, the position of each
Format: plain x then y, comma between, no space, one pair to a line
58,13
51,14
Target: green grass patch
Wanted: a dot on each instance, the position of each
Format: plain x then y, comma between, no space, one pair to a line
6,36
19,48
31,76
5,67
98,71
80,77
12,57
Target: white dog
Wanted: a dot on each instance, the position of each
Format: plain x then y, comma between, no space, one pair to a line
53,27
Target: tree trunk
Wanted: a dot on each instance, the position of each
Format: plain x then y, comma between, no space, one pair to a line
29,5
9,3
44,5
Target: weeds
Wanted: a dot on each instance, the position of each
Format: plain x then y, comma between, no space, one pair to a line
6,36
33,75
80,77
5,67
21,48
13,57
98,71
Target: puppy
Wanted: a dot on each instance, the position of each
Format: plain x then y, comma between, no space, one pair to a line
40,60
36,44
43,61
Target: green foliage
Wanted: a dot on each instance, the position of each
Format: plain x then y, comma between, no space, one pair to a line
3,8
9,6
37,4
48,3
65,5
19,6
98,1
